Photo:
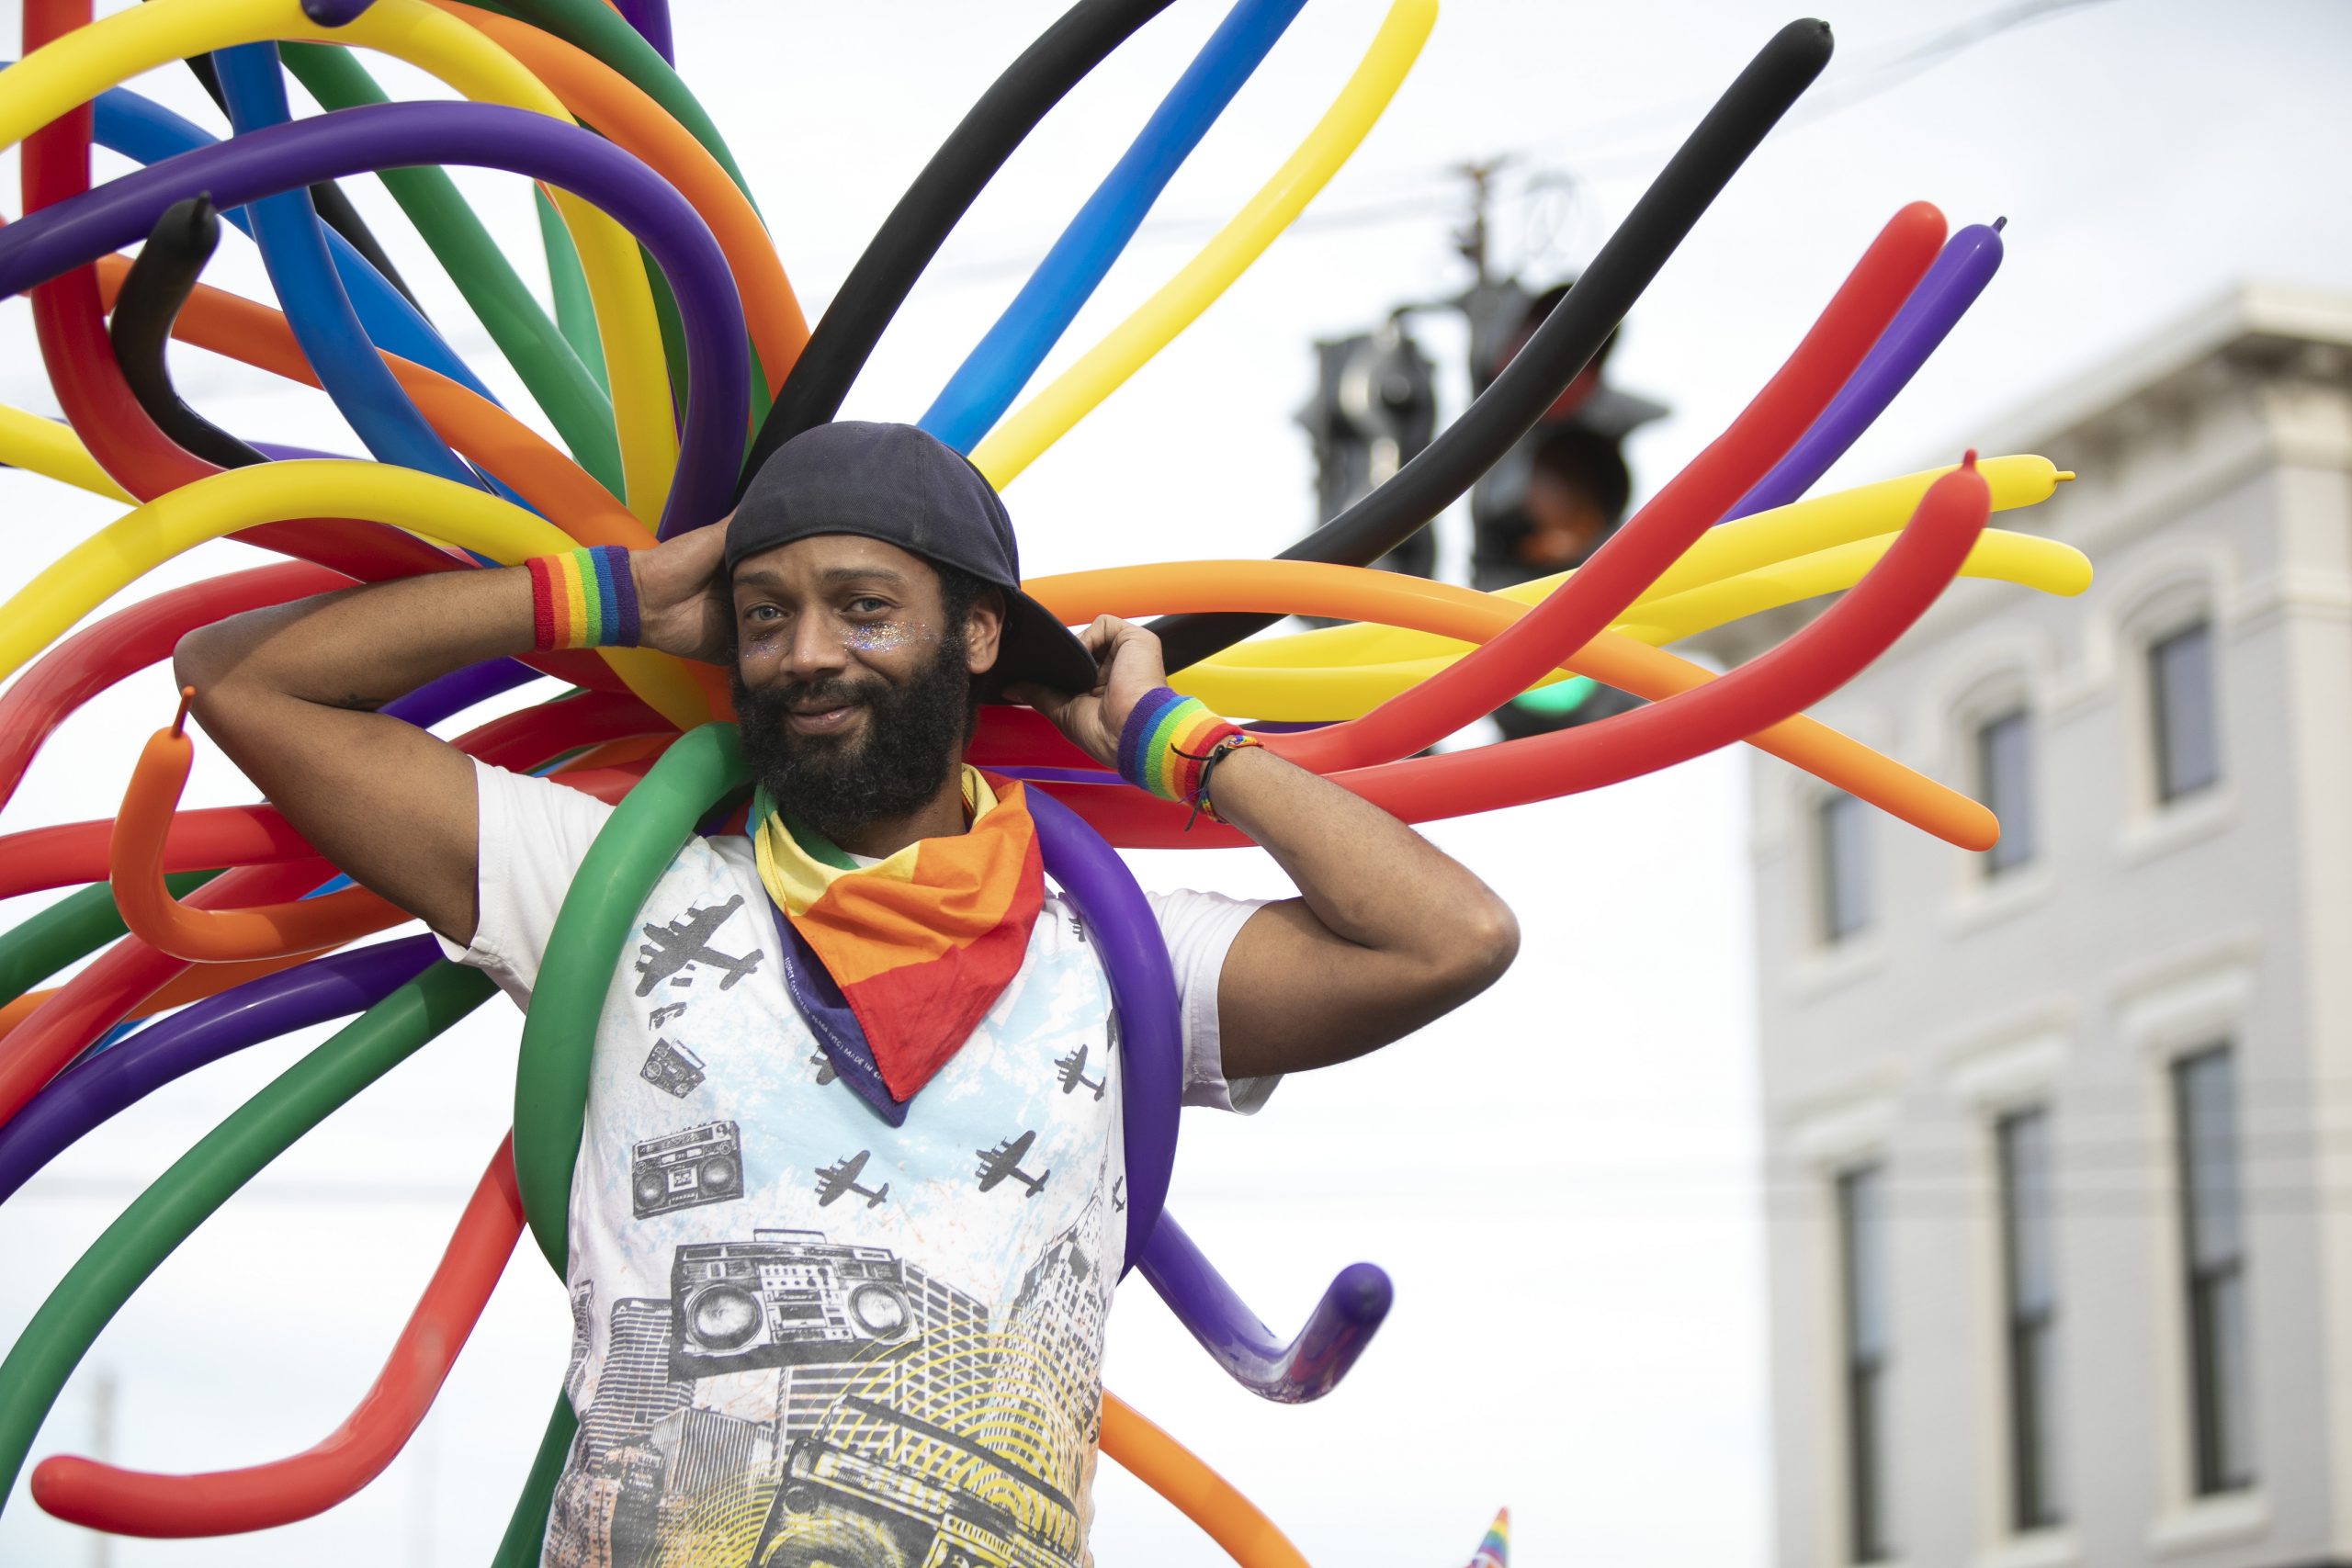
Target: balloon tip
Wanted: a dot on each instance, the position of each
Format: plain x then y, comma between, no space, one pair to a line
1999,224
1968,459
2063,475
179,719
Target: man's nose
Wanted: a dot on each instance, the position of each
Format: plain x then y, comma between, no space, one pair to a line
817,647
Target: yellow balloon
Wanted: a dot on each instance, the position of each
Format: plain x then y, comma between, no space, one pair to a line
436,509
2022,559
86,62
1752,542
1302,693
43,446
1048,417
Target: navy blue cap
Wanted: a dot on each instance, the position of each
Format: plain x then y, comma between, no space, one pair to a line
898,484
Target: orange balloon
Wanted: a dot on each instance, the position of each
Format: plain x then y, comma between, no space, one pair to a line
1203,1497
620,112
135,867
188,985
479,430
1359,593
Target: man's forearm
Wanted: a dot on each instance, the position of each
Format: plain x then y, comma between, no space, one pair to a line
362,647
1367,876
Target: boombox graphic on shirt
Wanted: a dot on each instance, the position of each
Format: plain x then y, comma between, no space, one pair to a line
679,1170
787,1298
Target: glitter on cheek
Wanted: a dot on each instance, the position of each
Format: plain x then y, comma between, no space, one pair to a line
881,637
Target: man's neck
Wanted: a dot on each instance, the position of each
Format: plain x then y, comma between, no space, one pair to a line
942,816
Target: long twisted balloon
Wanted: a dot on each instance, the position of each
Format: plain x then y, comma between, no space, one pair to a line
211,912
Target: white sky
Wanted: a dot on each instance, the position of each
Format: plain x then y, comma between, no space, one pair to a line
1562,1177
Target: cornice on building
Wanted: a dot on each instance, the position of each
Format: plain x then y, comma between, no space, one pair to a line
2259,377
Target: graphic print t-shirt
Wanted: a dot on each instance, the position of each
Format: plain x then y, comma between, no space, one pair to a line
802,1335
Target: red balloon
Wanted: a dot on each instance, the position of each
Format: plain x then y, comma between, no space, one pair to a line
71,853
226,1502
1814,662
127,641
70,322
1675,518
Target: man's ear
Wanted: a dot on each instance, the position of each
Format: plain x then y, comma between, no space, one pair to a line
983,631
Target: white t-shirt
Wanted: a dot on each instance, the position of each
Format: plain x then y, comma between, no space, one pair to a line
800,1334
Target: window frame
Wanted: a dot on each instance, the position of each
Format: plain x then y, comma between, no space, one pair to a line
2217,1467
2029,1330
2019,845
1863,1376
2167,790
1834,925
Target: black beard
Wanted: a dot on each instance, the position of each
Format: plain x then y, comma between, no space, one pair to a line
914,734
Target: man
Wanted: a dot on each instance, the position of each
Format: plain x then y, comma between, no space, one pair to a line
809,1327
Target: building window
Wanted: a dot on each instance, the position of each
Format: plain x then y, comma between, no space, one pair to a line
2220,1374
1862,1228
2180,689
2031,1288
2003,783
1842,863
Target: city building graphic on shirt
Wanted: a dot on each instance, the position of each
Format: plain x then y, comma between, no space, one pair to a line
801,1400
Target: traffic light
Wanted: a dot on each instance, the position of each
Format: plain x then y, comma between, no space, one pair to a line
1551,500
1374,407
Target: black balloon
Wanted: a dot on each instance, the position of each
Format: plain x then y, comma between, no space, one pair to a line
1560,348
1078,42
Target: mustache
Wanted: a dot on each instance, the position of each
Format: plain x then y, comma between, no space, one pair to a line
838,690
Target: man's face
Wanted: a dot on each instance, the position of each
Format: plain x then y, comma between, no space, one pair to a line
851,687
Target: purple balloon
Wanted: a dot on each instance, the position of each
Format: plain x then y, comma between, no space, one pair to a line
459,690
651,21
1152,1045
335,13
1143,989
1308,1367
278,452
1962,269
360,141
98,1087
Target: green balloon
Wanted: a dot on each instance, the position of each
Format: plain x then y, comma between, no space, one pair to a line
598,920
592,26
74,927
161,1217
527,1527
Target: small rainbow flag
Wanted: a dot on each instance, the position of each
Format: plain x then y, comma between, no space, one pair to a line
1495,1551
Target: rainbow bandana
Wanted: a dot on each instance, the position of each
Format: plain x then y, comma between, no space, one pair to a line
919,945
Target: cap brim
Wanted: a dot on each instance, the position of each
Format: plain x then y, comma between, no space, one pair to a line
1035,649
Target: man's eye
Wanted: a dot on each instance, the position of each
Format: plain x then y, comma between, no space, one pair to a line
762,613
867,604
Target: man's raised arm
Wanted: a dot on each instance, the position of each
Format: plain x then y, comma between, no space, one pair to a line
289,694
1387,932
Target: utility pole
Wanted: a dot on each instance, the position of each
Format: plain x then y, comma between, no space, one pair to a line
1471,239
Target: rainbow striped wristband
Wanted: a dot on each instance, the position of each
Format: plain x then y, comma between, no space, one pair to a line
1168,744
584,598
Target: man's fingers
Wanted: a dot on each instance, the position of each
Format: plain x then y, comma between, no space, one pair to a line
1044,699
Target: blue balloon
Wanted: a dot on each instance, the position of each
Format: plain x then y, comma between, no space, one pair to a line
142,129
1000,364
324,323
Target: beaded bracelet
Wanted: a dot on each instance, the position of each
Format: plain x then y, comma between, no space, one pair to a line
1169,745
584,598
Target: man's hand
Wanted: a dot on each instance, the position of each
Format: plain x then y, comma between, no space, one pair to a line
682,602
1127,664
